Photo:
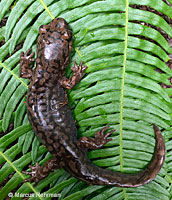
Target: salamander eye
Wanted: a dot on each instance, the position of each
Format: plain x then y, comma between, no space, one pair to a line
67,35
42,29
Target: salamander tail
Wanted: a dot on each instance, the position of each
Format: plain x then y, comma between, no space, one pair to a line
108,177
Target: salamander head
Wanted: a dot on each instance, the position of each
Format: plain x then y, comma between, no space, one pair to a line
57,25
55,42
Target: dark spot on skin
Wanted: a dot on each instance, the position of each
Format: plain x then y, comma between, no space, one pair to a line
46,75
50,148
49,69
41,89
49,141
41,81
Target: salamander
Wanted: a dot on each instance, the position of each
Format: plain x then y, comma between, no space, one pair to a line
52,121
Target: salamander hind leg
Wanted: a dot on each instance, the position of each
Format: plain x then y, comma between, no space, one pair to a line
25,61
40,172
98,141
76,77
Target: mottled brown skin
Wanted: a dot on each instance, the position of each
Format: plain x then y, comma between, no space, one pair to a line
52,121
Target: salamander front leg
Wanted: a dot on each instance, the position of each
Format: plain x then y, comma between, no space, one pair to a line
40,172
76,77
25,61
99,141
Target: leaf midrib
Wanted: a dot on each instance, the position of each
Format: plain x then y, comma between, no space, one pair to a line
122,91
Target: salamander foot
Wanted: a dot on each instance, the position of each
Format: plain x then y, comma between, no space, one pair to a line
40,172
25,61
99,140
